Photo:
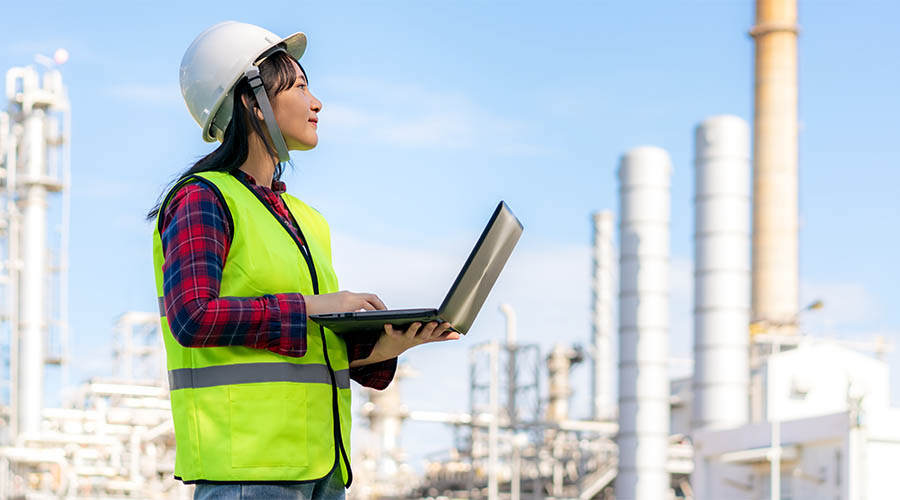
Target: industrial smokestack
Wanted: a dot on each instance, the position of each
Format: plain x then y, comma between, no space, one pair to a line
602,286
775,185
644,175
722,273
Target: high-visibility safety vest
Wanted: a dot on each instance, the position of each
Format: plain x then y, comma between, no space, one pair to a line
242,414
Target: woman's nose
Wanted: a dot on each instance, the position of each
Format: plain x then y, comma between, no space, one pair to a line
316,105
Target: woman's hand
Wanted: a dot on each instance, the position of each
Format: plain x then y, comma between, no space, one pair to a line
342,301
394,342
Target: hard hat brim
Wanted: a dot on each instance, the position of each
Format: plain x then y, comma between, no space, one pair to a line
295,45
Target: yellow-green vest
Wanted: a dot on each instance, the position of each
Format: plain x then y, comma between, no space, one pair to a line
245,414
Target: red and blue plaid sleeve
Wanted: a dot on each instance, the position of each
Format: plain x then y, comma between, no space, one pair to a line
376,375
195,239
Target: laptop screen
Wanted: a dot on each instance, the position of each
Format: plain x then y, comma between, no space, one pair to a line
477,277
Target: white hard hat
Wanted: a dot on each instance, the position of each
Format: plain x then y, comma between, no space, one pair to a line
214,63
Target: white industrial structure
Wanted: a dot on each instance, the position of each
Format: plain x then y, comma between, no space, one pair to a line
603,286
828,430
643,324
721,381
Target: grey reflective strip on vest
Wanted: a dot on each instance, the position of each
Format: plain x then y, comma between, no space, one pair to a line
162,307
250,373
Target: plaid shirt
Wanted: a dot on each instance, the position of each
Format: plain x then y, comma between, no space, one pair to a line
196,236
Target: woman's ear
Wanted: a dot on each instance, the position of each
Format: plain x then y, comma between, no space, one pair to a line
256,110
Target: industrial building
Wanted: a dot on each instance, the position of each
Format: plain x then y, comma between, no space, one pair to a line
770,411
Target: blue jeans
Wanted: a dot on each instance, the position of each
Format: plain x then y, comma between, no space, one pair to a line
331,487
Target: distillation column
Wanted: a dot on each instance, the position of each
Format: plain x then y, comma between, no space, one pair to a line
559,364
602,286
644,174
722,273
33,176
33,326
775,298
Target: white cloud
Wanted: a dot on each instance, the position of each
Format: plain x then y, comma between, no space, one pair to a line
156,94
413,116
341,116
107,189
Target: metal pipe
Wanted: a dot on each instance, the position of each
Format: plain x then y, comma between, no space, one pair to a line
493,432
602,287
775,295
511,368
510,315
516,479
775,462
12,304
644,174
721,273
5,268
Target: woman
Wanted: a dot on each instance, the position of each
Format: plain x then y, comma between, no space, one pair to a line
260,395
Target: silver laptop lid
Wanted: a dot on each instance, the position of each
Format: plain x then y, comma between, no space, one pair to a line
477,277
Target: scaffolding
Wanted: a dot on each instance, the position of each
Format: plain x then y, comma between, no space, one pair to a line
512,443
34,221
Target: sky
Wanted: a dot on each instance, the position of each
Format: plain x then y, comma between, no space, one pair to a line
435,111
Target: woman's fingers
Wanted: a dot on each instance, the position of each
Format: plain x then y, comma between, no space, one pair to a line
359,301
417,333
412,330
440,332
427,330
373,299
449,335
436,330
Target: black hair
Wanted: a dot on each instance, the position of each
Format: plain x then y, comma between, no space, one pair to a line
278,74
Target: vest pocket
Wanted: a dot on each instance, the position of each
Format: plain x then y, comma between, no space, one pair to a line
268,425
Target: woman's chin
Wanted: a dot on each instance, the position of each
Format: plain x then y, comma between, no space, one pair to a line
303,146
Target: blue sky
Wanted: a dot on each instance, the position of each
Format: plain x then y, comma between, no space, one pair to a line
433,111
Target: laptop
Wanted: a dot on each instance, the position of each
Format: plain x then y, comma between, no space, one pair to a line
466,296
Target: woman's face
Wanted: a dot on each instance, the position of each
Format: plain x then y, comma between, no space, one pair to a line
296,111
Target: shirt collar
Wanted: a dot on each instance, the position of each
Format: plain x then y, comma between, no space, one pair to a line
277,186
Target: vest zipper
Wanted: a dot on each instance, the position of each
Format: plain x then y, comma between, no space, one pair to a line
339,451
